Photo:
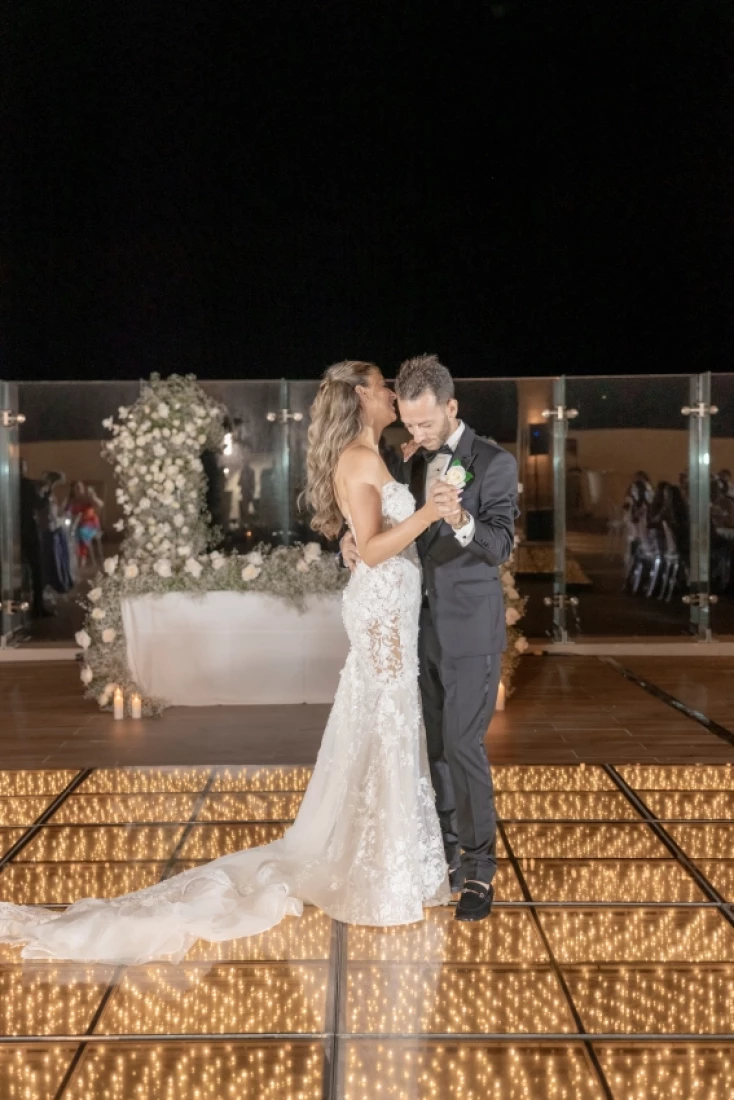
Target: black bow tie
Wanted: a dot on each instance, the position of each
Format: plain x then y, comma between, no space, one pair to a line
430,455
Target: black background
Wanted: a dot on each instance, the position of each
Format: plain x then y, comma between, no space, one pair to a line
250,190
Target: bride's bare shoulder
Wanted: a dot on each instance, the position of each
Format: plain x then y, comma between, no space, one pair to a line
362,462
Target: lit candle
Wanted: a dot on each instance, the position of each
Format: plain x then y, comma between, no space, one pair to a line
119,702
136,706
500,697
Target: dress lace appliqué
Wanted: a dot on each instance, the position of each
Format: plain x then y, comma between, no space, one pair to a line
366,845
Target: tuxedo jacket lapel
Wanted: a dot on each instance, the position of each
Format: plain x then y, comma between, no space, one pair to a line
417,480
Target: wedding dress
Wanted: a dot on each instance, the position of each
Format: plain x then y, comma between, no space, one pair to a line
366,845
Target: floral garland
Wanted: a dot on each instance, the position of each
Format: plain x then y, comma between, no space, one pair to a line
156,448
517,643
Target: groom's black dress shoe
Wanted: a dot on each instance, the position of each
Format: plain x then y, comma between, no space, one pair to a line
475,902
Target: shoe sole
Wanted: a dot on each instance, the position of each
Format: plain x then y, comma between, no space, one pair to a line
472,920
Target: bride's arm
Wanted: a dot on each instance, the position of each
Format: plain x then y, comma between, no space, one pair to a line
362,474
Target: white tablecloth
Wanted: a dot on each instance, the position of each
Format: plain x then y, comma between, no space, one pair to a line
234,648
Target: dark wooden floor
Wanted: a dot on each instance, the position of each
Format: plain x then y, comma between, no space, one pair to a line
565,710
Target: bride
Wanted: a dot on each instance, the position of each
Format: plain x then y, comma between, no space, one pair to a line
366,845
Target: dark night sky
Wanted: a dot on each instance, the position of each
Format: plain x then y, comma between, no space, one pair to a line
259,189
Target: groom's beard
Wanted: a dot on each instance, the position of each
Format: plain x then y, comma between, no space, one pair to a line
442,437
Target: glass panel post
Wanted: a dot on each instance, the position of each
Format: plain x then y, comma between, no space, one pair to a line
560,429
284,509
699,478
11,572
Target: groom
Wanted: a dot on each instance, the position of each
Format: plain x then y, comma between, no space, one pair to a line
462,624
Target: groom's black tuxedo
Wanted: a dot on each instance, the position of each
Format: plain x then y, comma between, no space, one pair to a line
462,635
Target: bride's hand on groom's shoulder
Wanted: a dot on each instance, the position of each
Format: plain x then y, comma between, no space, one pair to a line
350,554
409,448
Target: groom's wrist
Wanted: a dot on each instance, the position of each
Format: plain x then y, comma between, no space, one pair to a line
460,520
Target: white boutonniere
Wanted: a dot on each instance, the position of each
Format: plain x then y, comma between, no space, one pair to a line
458,474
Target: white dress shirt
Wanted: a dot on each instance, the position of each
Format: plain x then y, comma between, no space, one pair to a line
437,467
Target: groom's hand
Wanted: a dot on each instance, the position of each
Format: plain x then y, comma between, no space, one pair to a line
350,554
447,500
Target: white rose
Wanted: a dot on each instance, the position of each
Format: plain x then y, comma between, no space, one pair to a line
301,566
201,438
312,551
254,557
107,423
145,425
82,639
122,412
131,571
250,572
86,675
180,481
184,530
512,616
193,567
95,595
142,469
166,433
217,562
144,504
98,614
184,551
456,476
169,486
178,520
119,526
163,410
521,644
110,565
109,635
163,568
159,450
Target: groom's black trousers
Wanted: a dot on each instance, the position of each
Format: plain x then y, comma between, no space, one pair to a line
459,695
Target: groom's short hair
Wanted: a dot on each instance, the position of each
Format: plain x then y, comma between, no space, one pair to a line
425,373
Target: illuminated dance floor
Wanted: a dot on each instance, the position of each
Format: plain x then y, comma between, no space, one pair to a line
605,970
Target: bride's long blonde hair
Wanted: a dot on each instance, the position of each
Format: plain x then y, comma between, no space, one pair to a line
336,421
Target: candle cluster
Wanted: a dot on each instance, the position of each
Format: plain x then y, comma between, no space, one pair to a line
135,705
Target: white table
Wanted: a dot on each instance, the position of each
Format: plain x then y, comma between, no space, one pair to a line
234,648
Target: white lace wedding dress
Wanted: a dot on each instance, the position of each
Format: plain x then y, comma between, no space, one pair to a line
366,845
